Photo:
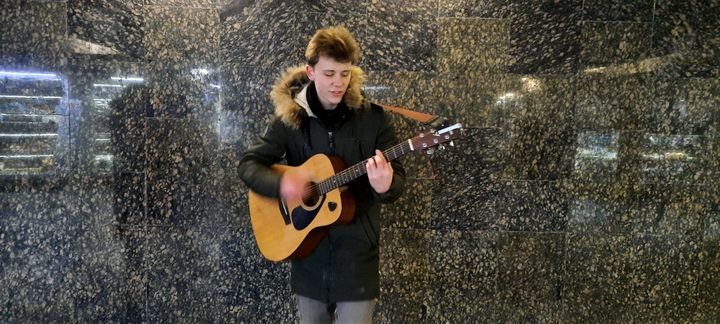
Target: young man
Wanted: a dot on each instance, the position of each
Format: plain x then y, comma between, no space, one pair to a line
320,108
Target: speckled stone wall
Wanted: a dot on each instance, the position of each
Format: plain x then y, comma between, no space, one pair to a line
588,191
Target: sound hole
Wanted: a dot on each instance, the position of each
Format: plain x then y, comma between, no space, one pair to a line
311,197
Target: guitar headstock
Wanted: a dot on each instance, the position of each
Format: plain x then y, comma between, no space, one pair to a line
443,132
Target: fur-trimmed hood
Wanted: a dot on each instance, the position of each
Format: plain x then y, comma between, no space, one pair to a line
294,81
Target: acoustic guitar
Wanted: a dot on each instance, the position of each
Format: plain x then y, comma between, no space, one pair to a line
292,229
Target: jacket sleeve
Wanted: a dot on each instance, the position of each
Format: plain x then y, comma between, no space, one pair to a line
386,139
254,168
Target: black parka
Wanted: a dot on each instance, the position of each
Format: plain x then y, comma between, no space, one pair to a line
345,265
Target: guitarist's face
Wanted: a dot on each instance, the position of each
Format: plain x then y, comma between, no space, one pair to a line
331,80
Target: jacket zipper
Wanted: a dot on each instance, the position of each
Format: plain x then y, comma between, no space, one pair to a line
329,280
331,140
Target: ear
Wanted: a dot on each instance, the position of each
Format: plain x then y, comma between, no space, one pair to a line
310,72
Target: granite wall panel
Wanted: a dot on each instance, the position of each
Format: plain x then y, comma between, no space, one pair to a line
584,188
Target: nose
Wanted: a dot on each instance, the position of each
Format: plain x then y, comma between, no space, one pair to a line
337,79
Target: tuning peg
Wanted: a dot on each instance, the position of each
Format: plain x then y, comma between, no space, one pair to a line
441,147
452,143
430,151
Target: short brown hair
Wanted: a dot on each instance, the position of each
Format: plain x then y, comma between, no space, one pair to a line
335,42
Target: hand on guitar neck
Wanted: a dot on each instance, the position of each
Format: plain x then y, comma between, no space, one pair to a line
380,172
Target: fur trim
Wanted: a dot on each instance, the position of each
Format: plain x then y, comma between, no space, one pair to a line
294,79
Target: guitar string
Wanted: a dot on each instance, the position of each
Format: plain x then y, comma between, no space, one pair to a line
359,167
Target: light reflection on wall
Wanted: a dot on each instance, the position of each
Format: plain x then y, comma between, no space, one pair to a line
596,154
103,92
664,157
33,122
652,158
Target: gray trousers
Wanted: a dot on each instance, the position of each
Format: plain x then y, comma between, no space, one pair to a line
312,311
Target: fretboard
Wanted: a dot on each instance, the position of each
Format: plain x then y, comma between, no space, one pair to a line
343,177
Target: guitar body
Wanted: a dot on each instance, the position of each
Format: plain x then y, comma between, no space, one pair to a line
292,229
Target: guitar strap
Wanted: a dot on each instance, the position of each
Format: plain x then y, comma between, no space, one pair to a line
415,115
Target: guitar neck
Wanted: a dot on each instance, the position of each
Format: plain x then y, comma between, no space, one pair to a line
358,170
422,141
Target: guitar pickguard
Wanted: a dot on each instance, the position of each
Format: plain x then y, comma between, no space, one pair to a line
301,217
